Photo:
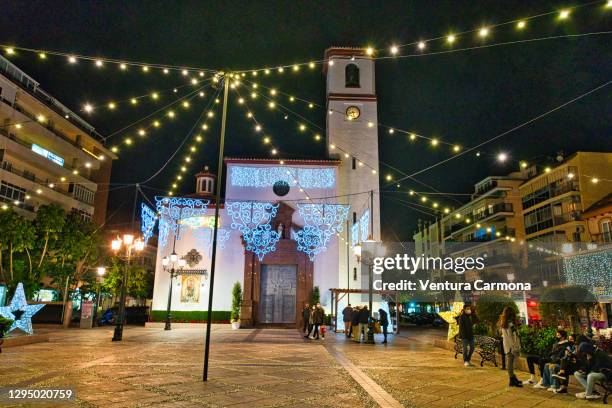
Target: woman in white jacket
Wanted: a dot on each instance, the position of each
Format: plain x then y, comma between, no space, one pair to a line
512,345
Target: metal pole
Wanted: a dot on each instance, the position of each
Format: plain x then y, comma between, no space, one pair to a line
348,263
168,326
118,334
214,243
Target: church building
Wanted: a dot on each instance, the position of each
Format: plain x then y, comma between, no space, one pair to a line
285,226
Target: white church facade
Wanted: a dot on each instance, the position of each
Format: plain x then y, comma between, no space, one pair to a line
285,226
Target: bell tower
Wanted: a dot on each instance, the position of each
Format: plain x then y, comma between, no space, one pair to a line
205,183
352,137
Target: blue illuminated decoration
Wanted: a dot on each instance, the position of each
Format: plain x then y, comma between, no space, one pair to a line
204,236
172,210
364,222
253,219
355,234
322,221
262,177
20,312
147,221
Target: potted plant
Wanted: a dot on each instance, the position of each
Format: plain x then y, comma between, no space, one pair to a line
4,326
236,303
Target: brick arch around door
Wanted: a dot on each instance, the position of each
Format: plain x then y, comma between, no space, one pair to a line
276,288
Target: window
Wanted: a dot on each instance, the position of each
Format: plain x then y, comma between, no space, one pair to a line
83,214
10,192
81,193
351,76
606,231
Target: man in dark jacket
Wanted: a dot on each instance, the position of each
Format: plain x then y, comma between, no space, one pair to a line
598,369
364,318
346,318
383,319
355,323
305,318
465,320
319,318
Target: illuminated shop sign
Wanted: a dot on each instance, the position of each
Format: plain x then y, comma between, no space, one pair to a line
47,154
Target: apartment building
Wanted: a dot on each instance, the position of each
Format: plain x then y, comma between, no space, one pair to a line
48,154
489,225
553,200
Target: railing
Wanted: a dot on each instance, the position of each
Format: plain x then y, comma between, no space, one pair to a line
485,189
11,71
497,208
8,166
549,192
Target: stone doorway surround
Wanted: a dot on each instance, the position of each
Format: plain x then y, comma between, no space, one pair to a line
286,254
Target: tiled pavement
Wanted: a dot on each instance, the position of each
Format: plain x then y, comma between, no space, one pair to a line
255,368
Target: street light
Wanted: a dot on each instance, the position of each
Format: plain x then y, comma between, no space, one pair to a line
166,261
129,244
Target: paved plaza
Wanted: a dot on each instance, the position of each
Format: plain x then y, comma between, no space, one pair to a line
257,368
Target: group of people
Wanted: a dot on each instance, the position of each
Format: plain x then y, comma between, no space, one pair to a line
357,319
573,354
314,319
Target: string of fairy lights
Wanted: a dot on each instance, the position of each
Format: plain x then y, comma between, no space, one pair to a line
481,33
197,138
196,75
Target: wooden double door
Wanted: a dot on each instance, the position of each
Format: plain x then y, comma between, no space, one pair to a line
278,290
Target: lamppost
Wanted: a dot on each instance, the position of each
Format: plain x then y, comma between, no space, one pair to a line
368,259
173,259
129,244
101,271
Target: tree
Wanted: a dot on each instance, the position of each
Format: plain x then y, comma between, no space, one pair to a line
139,281
236,302
77,251
565,303
315,296
490,306
16,236
49,222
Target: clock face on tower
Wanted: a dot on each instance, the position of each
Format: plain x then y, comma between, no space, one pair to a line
353,112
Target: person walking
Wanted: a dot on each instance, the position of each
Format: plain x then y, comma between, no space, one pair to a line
466,321
355,323
305,318
311,318
318,319
346,318
364,318
383,319
508,324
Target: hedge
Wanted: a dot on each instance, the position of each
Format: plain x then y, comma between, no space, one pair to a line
196,316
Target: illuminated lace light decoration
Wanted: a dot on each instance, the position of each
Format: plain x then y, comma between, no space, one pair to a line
253,219
172,210
355,234
263,177
364,222
322,221
20,312
591,269
147,221
204,236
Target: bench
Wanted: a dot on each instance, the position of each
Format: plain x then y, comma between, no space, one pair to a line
485,346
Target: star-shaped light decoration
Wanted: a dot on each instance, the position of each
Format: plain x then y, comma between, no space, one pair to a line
449,317
20,311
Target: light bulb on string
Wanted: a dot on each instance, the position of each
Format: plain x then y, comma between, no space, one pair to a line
483,32
521,24
421,45
451,39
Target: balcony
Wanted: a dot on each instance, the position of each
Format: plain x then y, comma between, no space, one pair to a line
550,191
8,167
496,209
29,85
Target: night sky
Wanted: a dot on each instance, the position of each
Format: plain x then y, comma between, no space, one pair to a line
464,97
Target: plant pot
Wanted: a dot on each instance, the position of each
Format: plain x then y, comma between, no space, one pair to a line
236,325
